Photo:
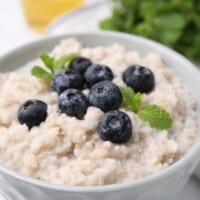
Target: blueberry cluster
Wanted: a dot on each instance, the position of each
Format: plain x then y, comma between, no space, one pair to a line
114,125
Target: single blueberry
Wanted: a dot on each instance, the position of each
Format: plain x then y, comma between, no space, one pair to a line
32,113
115,126
67,79
96,73
105,95
73,103
80,64
140,78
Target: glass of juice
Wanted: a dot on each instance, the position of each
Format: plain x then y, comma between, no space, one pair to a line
40,12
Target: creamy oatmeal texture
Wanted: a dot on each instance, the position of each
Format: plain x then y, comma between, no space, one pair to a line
65,150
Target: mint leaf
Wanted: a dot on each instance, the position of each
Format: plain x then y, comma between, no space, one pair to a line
131,99
47,60
145,29
137,100
156,116
147,9
171,21
170,36
52,66
127,96
40,73
107,25
60,64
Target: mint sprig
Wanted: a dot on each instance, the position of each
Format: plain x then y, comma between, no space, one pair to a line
41,73
51,66
60,63
47,60
155,115
131,99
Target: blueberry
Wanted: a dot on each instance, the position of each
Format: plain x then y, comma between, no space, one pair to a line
115,126
32,113
105,95
140,78
73,103
67,79
96,73
80,64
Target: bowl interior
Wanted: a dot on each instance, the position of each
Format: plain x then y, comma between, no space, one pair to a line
181,67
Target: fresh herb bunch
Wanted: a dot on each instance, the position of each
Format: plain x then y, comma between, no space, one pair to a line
175,23
51,66
155,115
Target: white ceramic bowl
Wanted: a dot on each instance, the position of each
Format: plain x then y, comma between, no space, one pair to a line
156,186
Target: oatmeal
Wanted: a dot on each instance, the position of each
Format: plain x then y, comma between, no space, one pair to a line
64,147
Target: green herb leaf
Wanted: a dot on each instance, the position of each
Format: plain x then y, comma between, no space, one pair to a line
128,96
144,29
170,36
47,60
60,64
40,73
148,10
171,21
131,99
137,100
51,65
156,116
107,25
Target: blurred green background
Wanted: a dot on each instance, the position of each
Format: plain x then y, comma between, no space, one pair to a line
175,23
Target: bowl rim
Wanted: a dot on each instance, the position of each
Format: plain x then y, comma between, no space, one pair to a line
170,170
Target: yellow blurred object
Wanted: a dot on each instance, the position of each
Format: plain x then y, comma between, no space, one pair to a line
40,12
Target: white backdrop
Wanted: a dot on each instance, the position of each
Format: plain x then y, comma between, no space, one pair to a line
14,30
